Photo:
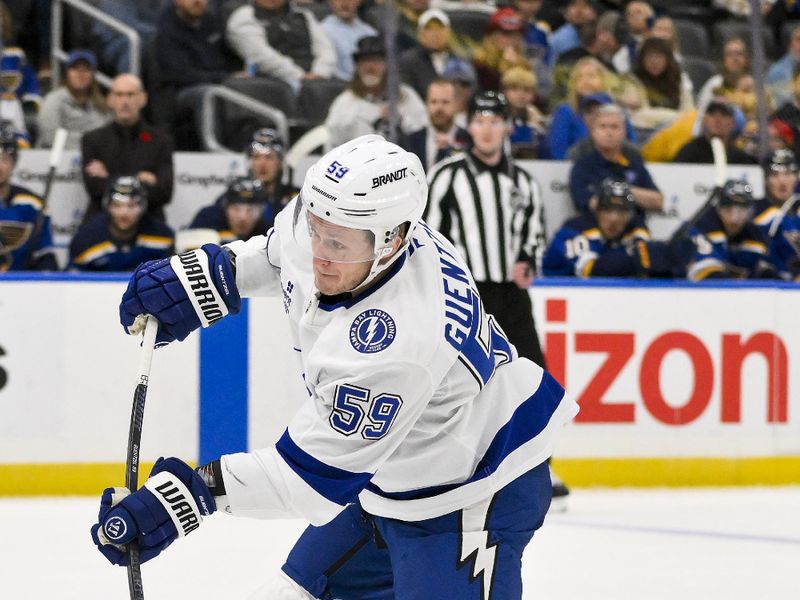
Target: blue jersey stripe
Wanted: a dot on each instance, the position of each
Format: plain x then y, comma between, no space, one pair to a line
529,420
337,485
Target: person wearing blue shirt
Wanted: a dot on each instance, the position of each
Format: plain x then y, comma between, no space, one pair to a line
610,159
612,240
577,13
345,28
23,244
122,236
728,245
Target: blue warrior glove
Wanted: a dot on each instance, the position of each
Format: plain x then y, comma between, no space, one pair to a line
184,292
171,504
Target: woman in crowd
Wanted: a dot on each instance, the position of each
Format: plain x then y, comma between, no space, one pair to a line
667,91
528,132
77,106
588,78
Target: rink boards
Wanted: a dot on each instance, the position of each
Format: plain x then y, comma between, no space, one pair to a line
679,384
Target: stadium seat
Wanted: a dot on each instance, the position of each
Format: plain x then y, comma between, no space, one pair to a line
693,38
730,28
699,70
315,99
469,23
319,9
267,90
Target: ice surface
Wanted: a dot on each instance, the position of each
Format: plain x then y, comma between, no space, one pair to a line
736,543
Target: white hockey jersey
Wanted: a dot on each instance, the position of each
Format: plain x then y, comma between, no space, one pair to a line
418,405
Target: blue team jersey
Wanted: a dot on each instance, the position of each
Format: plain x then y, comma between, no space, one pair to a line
18,213
94,248
783,233
213,217
744,256
579,244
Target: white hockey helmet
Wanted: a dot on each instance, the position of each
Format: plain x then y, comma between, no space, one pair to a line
366,184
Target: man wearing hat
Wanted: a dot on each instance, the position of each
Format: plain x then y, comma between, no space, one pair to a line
433,57
719,120
363,108
77,105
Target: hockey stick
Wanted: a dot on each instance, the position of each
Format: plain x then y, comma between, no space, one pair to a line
59,142
785,208
720,175
134,442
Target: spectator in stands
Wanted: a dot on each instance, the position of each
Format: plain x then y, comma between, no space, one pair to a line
742,8
667,89
610,159
602,40
433,57
282,41
409,12
719,121
22,246
664,29
363,107
265,154
781,74
191,55
238,214
29,90
501,49
665,143
528,136
123,235
128,146
589,78
77,106
11,108
344,28
113,49
789,111
610,240
589,111
728,245
535,33
735,62
441,138
577,14
639,16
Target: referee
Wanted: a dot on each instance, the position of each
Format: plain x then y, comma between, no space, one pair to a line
491,210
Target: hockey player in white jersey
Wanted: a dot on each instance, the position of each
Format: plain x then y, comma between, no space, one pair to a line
419,454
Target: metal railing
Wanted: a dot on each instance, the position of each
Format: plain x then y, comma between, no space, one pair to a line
207,116
58,54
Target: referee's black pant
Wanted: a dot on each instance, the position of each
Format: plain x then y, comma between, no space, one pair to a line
513,311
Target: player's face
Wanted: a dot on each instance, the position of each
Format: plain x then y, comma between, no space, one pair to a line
342,256
6,167
488,131
124,214
613,221
781,184
266,166
242,217
734,218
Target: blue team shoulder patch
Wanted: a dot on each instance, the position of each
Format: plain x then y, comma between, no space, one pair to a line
372,331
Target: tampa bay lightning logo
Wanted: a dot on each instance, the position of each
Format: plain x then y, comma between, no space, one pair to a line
372,331
115,528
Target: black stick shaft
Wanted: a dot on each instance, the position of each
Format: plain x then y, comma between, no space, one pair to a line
135,586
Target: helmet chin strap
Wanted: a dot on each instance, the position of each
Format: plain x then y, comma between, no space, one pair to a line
378,267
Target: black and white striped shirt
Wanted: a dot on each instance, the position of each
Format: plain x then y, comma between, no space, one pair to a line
492,215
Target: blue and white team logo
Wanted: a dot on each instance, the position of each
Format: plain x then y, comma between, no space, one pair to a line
115,528
372,331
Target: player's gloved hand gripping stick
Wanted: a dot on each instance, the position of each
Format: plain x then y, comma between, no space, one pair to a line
184,292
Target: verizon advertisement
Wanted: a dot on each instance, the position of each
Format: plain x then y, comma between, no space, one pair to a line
675,371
